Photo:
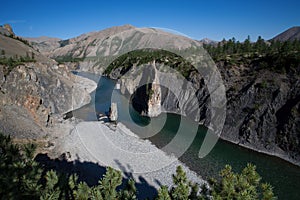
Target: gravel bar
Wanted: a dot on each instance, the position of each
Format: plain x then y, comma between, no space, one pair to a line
121,149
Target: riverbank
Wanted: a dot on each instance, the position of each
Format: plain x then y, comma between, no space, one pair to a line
282,156
121,149
277,155
81,91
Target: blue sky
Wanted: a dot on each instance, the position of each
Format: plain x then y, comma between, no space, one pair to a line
215,19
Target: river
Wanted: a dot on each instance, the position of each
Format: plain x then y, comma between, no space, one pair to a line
283,176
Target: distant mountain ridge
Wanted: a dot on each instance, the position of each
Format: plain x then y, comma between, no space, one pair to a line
55,47
289,35
94,48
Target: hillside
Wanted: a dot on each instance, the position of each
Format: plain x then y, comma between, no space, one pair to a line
290,34
44,44
14,46
34,90
95,50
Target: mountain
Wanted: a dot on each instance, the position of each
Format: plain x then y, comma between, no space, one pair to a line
55,47
208,41
44,44
290,34
95,48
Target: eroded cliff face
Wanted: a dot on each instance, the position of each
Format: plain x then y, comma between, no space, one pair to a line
35,91
154,102
34,96
263,110
152,91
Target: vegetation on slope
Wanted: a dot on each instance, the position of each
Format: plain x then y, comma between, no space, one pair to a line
281,57
11,62
68,58
18,38
140,57
276,56
23,178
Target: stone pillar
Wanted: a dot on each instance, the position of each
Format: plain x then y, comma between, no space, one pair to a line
154,101
113,112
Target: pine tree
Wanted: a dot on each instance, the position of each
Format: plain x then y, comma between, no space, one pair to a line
247,45
267,192
260,45
82,192
129,192
108,184
163,193
20,174
50,191
181,188
240,186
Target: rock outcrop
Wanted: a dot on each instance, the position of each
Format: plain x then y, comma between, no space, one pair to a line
113,112
145,93
34,95
9,29
153,91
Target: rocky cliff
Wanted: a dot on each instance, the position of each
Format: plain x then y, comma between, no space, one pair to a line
35,92
263,110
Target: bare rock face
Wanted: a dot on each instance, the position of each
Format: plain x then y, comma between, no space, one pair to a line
154,102
9,29
113,113
30,97
33,95
154,95
163,94
143,87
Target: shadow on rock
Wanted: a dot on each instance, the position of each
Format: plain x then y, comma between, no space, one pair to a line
145,190
88,172
91,173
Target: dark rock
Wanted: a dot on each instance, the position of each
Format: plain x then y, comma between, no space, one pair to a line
263,111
